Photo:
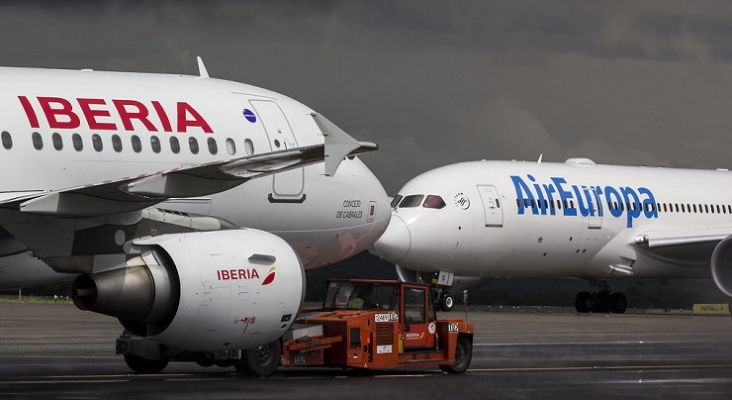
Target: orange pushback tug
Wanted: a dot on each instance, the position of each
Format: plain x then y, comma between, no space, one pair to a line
370,324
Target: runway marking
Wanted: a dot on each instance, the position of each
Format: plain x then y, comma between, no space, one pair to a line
106,378
230,375
601,368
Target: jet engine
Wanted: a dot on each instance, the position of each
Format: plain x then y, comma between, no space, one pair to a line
202,291
722,265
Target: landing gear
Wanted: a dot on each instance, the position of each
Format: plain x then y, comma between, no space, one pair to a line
260,361
582,302
602,301
143,366
618,303
447,301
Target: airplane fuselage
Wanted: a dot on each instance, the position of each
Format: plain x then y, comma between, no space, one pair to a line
63,128
577,219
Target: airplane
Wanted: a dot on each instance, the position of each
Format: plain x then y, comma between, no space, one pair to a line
578,219
188,207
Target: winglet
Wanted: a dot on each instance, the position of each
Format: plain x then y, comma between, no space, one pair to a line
201,68
338,144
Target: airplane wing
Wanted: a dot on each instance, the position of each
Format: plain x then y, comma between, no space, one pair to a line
136,193
691,247
660,239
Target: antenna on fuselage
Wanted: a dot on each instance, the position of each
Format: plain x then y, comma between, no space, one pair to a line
540,156
201,68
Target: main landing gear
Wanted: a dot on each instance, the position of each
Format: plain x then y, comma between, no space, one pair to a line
602,300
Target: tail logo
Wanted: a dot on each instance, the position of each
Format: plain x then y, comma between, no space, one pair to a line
270,277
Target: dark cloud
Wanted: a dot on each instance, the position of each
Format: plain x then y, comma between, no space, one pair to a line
433,81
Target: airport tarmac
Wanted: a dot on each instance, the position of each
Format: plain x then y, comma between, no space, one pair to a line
56,351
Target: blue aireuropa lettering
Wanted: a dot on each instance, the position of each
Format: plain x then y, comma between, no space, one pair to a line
634,203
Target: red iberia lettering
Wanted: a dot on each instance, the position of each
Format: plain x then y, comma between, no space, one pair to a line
160,111
58,112
184,109
234,274
112,115
29,112
127,114
91,114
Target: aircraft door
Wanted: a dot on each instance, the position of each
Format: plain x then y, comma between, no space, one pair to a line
491,206
289,186
419,318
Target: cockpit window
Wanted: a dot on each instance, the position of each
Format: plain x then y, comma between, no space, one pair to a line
396,200
412,201
433,201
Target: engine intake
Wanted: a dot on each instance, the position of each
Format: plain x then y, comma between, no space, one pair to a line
722,265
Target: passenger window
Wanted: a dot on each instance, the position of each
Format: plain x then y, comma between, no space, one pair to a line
136,144
76,142
97,142
193,145
58,144
174,145
155,144
396,200
230,146
213,148
248,147
411,201
116,143
7,140
37,141
433,201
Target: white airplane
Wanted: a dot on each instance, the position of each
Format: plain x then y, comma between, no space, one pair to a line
144,186
488,219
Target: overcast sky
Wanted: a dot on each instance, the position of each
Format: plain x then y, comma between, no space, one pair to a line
433,82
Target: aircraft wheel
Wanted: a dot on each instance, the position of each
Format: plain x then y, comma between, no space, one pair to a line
261,360
618,303
582,302
143,366
463,356
205,359
447,302
601,302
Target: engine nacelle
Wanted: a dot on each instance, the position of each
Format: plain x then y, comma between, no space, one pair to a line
203,291
722,265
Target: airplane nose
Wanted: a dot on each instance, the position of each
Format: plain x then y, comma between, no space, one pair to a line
394,244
